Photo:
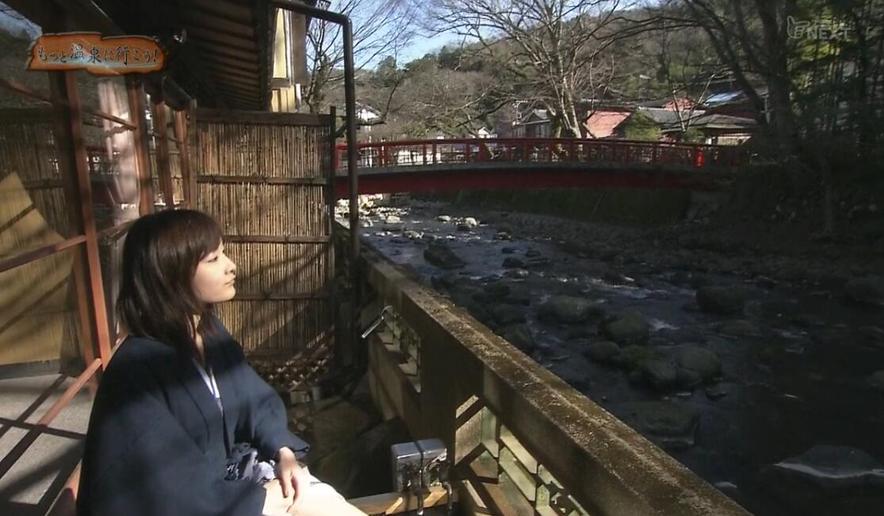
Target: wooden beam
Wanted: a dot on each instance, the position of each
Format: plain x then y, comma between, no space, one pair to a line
276,239
21,89
222,78
239,28
282,297
17,260
188,178
206,47
73,159
267,180
239,64
22,446
397,503
219,37
225,73
135,93
246,92
261,117
223,9
165,172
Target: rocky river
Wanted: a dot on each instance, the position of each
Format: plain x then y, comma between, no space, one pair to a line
763,374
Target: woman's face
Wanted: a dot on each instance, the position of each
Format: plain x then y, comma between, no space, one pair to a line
215,276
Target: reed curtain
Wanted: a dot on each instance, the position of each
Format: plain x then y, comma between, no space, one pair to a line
267,178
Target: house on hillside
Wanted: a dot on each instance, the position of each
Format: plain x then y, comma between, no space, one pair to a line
605,122
716,129
535,123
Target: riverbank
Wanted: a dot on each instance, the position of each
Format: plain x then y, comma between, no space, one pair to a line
733,358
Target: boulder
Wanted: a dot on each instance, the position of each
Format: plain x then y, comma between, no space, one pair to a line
688,378
507,314
511,262
628,328
876,380
520,336
866,291
701,361
516,273
835,470
603,351
569,309
444,218
442,256
739,328
721,300
660,374
497,290
540,261
632,357
671,425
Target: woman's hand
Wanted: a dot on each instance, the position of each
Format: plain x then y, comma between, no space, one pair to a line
275,502
292,477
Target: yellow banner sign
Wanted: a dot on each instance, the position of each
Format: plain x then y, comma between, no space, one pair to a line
113,55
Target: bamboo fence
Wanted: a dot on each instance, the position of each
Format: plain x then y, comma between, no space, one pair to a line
266,177
37,312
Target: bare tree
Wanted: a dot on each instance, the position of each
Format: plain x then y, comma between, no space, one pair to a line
684,67
549,46
380,28
751,37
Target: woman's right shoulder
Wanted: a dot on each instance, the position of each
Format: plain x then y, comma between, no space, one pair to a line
139,354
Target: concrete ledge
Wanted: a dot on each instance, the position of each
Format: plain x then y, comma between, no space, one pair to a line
608,467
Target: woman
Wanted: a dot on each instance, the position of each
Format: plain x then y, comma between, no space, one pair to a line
178,397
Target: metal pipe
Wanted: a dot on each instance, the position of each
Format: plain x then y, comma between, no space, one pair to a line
352,150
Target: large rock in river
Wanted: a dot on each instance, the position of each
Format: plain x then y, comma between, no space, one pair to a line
442,256
569,309
703,362
628,328
876,380
520,336
866,291
721,300
603,351
668,424
660,373
826,471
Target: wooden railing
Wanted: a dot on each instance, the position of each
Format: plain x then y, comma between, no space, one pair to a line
459,152
521,440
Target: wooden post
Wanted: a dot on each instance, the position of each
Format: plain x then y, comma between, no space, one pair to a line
75,169
135,93
165,172
188,180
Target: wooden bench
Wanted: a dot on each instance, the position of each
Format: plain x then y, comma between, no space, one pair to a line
65,503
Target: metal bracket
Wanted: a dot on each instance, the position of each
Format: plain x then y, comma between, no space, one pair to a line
380,318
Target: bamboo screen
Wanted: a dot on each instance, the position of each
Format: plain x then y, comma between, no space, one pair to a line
174,158
37,313
266,177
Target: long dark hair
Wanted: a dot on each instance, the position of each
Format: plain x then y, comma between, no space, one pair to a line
160,257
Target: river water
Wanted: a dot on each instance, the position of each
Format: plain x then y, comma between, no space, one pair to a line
796,384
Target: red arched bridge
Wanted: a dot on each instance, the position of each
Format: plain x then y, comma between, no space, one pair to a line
506,163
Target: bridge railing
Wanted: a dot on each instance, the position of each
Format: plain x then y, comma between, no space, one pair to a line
417,153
